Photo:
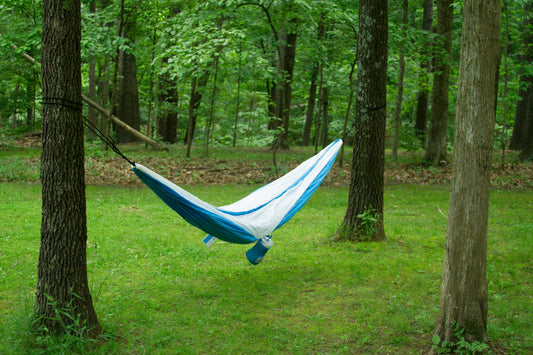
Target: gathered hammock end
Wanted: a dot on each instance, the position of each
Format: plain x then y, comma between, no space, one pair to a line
256,216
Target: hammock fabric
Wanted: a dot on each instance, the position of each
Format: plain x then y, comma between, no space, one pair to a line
254,217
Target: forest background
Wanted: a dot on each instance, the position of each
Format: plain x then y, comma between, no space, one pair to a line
243,74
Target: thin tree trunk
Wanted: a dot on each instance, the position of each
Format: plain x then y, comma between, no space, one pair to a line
197,86
128,102
318,122
310,107
524,107
348,108
425,68
237,108
505,85
399,95
92,115
210,119
15,109
464,291
312,88
167,120
325,120
63,298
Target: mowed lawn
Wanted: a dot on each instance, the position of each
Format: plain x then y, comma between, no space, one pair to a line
158,290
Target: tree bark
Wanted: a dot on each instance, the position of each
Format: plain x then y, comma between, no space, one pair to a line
365,203
464,292
62,283
436,149
425,68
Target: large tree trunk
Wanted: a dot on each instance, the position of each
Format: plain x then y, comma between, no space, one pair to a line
425,67
365,203
63,296
436,149
128,102
464,283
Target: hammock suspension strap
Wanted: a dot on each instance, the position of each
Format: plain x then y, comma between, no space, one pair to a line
78,106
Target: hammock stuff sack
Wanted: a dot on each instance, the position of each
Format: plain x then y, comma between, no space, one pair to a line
253,218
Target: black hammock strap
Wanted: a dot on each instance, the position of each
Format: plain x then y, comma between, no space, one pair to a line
78,106
367,110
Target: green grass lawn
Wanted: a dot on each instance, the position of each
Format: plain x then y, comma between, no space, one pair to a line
158,290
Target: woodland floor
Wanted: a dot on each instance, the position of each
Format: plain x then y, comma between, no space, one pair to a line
113,170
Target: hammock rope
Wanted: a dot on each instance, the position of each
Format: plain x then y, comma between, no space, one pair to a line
78,106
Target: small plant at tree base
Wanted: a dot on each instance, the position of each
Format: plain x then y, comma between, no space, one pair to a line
461,346
74,338
369,219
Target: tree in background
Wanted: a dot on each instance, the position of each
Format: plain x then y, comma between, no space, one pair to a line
464,291
364,215
425,68
128,92
436,148
63,298
522,137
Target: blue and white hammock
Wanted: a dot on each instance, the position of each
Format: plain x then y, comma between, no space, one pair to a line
255,217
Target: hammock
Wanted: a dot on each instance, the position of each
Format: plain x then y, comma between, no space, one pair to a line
256,216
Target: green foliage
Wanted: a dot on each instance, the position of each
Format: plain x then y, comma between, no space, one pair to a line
369,219
461,346
182,40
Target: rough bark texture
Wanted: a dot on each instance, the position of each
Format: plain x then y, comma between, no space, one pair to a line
366,186
62,270
436,149
464,283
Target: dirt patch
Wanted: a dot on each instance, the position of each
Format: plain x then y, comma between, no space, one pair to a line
224,172
208,171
